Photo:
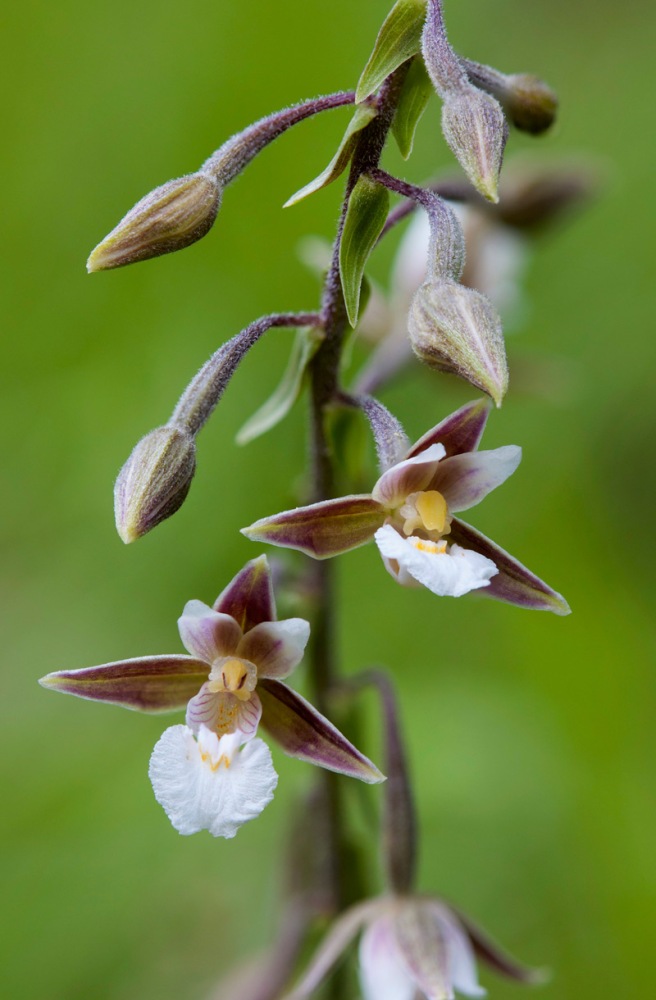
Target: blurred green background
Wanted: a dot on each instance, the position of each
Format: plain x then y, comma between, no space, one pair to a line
531,737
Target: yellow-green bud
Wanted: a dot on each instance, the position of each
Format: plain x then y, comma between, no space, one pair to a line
154,481
456,329
169,218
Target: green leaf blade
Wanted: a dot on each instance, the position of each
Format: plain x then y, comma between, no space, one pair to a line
398,40
361,118
415,94
278,405
365,218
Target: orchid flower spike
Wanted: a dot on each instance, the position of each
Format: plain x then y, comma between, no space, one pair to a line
410,513
212,773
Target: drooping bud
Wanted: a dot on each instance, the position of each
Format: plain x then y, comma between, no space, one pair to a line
456,329
528,101
170,218
154,481
475,128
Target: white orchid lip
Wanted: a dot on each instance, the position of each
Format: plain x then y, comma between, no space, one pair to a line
446,570
207,783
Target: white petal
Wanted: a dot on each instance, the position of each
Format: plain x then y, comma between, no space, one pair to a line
222,712
459,954
211,784
464,480
332,948
206,633
382,971
409,476
275,648
448,574
412,257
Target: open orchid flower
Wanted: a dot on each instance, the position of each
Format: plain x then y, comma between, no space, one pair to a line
410,513
212,773
411,946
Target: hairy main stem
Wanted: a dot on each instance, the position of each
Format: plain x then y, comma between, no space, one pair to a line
325,389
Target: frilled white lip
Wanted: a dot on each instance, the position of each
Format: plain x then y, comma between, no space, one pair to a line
448,571
211,783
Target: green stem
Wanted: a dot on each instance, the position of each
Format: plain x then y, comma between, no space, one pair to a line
324,390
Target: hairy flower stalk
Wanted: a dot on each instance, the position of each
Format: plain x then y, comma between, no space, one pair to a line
472,120
155,480
182,211
452,328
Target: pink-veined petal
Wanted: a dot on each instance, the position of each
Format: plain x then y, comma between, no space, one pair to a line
410,476
304,733
333,947
248,598
275,648
451,573
222,712
461,961
145,684
458,433
422,950
210,784
464,480
514,583
206,633
383,973
322,529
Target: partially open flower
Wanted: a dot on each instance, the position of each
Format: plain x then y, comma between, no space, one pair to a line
411,947
202,773
411,514
171,217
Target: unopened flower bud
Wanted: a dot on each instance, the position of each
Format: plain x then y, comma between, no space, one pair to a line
530,104
528,101
456,329
154,481
170,218
475,128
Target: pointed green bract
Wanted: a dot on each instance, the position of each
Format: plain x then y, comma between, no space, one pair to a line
337,166
398,40
416,91
283,398
365,217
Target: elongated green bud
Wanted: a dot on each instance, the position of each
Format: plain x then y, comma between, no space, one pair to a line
170,218
456,329
154,481
475,128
